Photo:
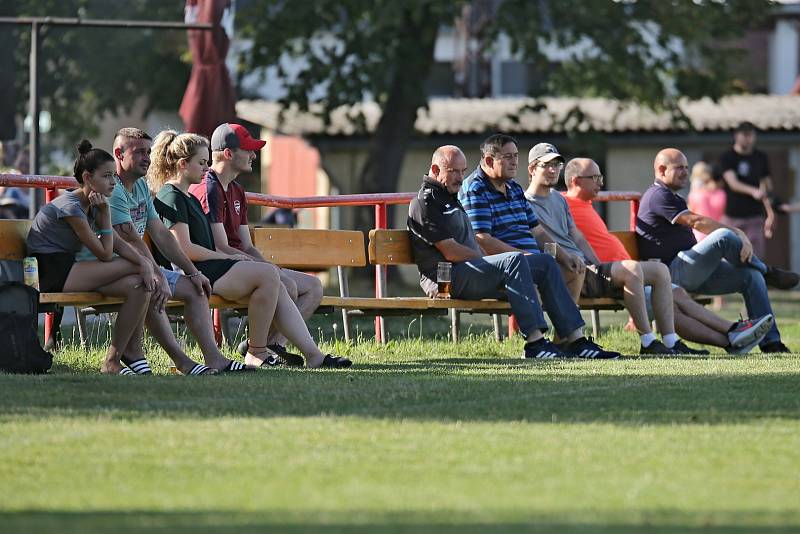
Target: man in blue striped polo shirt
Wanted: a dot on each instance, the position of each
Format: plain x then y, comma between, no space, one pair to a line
494,204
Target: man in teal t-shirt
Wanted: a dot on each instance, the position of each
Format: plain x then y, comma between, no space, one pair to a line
133,214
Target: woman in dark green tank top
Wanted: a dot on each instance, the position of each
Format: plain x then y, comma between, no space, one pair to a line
180,160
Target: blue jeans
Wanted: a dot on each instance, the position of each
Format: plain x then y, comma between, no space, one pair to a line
713,267
512,276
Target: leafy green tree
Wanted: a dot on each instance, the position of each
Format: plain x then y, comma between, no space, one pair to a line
87,71
648,51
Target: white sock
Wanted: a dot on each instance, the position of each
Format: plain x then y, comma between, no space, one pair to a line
647,339
670,340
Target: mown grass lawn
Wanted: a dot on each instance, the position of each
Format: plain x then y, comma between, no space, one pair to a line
420,435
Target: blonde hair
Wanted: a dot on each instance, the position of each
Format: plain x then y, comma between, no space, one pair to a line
701,174
169,147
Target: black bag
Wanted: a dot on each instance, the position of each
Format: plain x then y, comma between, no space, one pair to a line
20,349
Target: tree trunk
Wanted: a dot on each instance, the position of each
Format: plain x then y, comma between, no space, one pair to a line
407,93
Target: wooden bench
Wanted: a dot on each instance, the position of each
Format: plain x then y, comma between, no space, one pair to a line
292,248
393,247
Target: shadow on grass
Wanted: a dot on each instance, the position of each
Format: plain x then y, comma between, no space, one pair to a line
436,390
661,521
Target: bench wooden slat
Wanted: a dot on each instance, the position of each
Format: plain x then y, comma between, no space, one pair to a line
390,247
310,249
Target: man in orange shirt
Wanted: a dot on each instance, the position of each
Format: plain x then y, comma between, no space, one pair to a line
692,321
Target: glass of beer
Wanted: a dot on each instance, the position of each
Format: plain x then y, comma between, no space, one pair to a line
443,280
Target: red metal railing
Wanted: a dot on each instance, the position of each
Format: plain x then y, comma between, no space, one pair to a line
379,200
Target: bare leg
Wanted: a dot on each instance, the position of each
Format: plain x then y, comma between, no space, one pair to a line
305,291
159,327
198,319
129,317
112,278
292,325
258,284
628,274
695,323
657,275
573,281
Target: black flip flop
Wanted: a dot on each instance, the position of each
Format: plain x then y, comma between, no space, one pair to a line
236,367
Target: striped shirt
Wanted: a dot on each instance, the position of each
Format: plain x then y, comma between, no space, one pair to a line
507,217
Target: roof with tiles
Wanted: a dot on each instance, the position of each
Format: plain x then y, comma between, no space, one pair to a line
525,115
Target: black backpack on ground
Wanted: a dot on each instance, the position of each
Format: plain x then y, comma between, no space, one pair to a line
20,349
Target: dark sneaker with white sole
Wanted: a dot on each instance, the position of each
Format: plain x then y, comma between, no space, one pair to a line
682,348
743,333
656,347
542,349
587,348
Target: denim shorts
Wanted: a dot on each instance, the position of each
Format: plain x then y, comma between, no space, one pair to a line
172,279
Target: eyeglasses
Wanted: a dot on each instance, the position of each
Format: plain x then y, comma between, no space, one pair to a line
596,178
557,166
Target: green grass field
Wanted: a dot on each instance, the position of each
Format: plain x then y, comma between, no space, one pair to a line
420,435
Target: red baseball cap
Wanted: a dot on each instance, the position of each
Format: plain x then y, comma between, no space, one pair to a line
231,135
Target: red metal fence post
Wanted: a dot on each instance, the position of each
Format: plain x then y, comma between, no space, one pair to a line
380,274
49,194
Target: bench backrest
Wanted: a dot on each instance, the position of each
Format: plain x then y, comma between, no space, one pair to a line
310,249
390,247
628,239
12,238
393,247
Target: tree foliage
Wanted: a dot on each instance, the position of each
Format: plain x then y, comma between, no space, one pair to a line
648,51
85,72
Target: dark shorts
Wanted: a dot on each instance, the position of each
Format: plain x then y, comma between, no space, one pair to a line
597,282
214,269
54,269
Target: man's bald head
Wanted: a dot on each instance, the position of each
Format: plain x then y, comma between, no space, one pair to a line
671,168
448,166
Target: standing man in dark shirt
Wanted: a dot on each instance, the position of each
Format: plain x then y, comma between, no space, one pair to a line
721,263
745,170
440,230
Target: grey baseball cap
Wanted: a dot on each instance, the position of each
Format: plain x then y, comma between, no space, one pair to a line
544,152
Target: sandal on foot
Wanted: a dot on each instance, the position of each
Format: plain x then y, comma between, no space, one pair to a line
140,366
335,362
236,367
292,359
200,369
268,357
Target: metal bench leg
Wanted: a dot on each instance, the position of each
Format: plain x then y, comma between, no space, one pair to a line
498,327
80,315
455,324
344,292
596,323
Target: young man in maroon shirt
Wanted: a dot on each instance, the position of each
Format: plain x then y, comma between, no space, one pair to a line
233,151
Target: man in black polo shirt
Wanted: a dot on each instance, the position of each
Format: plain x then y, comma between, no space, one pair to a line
745,170
721,263
440,230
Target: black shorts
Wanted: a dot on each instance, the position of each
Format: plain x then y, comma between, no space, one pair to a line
214,269
597,282
54,269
